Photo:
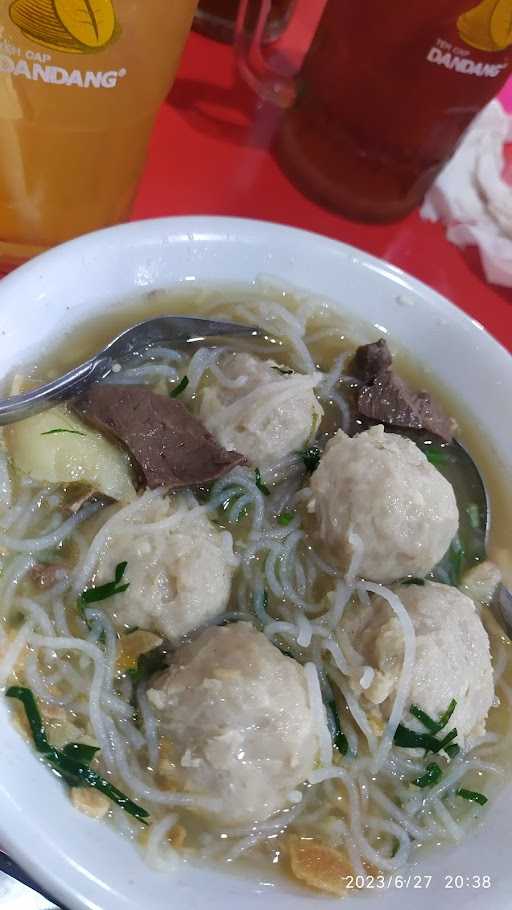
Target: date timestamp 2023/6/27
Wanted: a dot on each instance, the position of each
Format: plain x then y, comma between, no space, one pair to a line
417,881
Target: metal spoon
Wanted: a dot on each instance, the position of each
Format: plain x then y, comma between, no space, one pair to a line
472,489
188,329
459,468
175,329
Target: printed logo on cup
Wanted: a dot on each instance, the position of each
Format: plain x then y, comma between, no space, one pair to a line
487,26
68,26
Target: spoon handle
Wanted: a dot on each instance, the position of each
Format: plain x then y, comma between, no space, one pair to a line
73,383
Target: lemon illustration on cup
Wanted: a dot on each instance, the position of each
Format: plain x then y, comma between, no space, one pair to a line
71,26
487,26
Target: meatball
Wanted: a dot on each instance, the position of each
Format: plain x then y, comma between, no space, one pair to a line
179,576
453,659
377,491
262,411
238,715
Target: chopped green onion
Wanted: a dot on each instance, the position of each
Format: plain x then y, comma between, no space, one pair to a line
311,458
473,796
435,726
72,762
413,581
451,568
473,513
180,387
35,721
262,487
442,744
78,775
411,739
120,570
424,718
445,717
456,556
102,592
63,430
81,752
433,775
148,664
452,750
285,518
339,739
436,456
283,371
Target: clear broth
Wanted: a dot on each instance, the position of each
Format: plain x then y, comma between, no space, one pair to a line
336,333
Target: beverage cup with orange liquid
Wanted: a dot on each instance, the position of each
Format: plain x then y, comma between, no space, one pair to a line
80,84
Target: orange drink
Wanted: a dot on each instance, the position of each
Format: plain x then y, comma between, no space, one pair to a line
80,84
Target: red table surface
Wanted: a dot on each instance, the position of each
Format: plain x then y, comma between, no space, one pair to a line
210,155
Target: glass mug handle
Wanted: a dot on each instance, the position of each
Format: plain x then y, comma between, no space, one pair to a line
252,65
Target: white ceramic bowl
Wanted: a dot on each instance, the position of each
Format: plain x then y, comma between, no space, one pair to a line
80,861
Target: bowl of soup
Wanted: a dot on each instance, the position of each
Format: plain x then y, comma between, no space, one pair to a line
249,650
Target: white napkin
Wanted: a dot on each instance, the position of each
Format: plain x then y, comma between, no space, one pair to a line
471,198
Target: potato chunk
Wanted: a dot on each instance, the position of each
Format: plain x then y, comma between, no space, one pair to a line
79,455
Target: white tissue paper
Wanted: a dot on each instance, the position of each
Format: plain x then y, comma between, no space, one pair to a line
471,198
